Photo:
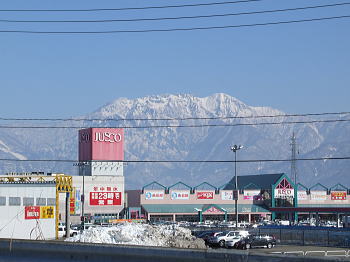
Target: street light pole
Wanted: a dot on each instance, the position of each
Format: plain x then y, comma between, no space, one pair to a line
235,148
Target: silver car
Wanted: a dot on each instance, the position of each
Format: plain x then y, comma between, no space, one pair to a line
222,238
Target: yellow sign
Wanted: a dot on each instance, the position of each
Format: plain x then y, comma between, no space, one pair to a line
47,212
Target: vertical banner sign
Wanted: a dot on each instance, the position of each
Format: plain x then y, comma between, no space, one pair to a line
77,200
205,195
338,195
32,212
72,202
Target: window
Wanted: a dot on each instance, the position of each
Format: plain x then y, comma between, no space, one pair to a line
41,201
51,201
28,201
14,201
2,201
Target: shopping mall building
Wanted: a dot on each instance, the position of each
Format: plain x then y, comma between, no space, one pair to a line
265,196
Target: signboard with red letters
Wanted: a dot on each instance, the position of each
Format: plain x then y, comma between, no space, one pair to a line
105,196
205,194
338,195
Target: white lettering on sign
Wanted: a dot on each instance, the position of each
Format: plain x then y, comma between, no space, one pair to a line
85,137
108,137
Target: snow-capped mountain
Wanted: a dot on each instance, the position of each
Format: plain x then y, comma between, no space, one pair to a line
206,139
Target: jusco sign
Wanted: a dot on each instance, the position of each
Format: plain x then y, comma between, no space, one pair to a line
101,137
101,144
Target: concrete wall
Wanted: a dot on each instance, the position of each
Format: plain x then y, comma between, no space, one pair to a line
13,223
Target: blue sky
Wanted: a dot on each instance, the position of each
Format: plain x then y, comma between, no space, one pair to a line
298,68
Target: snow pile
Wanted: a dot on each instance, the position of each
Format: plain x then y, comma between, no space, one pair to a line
140,234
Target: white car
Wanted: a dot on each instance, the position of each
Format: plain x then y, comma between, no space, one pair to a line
62,232
222,238
231,243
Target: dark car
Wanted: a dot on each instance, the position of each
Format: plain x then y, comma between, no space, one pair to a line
256,241
208,234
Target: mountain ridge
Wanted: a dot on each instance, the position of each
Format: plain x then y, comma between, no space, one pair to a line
189,143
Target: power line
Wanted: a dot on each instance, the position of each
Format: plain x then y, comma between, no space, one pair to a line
176,18
182,126
129,8
173,119
183,161
177,29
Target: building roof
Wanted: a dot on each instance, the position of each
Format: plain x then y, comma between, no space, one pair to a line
263,181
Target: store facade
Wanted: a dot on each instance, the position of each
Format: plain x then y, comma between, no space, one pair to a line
260,197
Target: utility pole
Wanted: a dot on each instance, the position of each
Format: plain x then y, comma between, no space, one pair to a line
234,149
293,167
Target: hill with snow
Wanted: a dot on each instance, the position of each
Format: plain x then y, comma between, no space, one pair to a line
210,139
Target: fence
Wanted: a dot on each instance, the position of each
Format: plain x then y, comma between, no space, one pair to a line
331,237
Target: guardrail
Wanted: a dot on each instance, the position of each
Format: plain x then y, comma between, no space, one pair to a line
325,253
38,251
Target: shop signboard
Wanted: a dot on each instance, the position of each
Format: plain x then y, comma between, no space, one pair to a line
105,196
284,193
180,194
251,195
77,201
72,202
213,210
227,195
205,194
101,144
338,195
284,189
318,195
32,212
302,195
47,212
154,195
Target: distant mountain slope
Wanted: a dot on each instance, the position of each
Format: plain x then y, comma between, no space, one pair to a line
208,142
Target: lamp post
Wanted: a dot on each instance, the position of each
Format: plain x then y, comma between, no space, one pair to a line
235,148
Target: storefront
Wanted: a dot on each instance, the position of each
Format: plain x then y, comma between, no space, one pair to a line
260,197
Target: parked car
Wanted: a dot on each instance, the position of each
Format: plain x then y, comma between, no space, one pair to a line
62,232
256,241
231,243
220,239
207,235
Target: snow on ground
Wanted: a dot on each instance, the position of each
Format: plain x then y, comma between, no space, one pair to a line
140,234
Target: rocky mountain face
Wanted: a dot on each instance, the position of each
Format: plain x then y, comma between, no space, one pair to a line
189,139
